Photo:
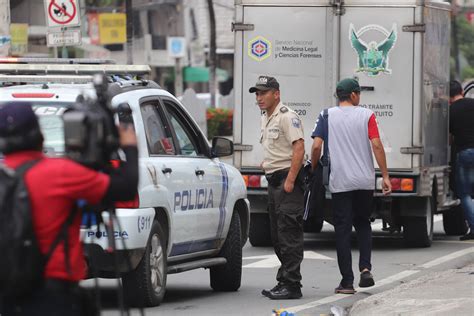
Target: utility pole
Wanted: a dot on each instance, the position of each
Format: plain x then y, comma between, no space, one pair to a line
5,39
129,45
454,28
212,54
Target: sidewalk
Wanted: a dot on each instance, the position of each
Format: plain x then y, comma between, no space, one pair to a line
448,292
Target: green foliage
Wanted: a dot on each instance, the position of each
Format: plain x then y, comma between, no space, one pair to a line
466,39
465,36
467,73
219,122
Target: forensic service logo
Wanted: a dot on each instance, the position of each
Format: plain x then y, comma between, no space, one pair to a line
259,48
373,57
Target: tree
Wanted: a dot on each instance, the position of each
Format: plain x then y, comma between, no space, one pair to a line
462,48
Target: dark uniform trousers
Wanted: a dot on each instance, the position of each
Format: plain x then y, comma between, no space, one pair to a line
286,225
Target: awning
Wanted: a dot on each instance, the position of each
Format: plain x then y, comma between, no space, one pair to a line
201,74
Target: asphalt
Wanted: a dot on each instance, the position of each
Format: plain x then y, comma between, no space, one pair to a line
449,292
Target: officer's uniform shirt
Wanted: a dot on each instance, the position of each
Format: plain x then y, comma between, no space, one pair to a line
277,134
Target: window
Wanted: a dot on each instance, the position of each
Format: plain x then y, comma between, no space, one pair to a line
183,131
158,142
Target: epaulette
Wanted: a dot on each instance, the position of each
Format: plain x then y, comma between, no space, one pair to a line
284,109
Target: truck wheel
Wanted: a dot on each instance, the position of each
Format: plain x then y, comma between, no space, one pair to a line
259,234
146,285
313,225
227,277
454,222
418,230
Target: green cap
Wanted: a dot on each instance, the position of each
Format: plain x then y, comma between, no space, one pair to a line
346,86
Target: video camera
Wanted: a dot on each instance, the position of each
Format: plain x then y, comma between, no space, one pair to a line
90,134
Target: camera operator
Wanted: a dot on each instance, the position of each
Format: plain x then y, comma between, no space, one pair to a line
54,187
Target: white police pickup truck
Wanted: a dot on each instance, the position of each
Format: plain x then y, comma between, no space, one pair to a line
192,210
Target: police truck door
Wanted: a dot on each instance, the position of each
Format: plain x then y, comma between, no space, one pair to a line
375,49
289,43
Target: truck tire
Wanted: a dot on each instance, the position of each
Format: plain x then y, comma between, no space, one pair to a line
146,285
259,234
418,230
228,277
454,222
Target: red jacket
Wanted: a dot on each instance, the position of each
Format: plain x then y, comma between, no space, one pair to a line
54,186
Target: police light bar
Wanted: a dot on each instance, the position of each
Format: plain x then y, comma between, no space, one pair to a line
70,61
73,69
15,79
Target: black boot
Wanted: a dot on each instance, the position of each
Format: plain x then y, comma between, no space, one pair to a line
286,292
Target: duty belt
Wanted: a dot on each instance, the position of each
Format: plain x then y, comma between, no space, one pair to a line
277,177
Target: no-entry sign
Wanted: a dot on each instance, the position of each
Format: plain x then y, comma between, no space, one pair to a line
62,13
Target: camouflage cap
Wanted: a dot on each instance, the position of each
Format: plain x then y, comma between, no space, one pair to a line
265,83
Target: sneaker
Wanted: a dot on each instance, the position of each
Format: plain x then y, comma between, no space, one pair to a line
346,289
469,236
266,292
366,279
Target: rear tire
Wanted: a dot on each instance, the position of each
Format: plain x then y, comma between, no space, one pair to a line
418,230
228,277
146,285
259,234
454,223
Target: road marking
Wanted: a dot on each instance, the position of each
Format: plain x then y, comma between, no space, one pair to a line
446,258
455,241
388,280
377,225
272,261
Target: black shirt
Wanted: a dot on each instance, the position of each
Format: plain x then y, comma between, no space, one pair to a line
461,123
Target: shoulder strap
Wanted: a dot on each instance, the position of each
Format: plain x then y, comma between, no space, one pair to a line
23,168
63,236
326,132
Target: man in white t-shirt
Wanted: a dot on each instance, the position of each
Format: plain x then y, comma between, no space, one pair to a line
351,134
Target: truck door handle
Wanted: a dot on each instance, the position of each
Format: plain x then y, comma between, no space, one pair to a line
166,170
367,88
199,172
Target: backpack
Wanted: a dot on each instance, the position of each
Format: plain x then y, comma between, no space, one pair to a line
317,181
22,263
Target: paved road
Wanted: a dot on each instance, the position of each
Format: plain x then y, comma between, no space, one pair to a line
189,293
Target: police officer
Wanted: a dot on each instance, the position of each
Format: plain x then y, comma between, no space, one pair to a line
282,139
54,185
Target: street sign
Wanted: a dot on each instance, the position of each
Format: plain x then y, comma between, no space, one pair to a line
71,37
112,28
62,13
19,34
94,35
176,47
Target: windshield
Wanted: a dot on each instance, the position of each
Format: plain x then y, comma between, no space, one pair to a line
51,123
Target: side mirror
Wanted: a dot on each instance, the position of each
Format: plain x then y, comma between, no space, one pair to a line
468,88
221,147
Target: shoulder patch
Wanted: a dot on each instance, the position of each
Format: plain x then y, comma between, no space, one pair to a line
284,109
296,123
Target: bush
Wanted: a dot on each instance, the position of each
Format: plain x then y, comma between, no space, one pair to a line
219,122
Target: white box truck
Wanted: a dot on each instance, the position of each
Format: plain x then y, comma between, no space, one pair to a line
399,51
